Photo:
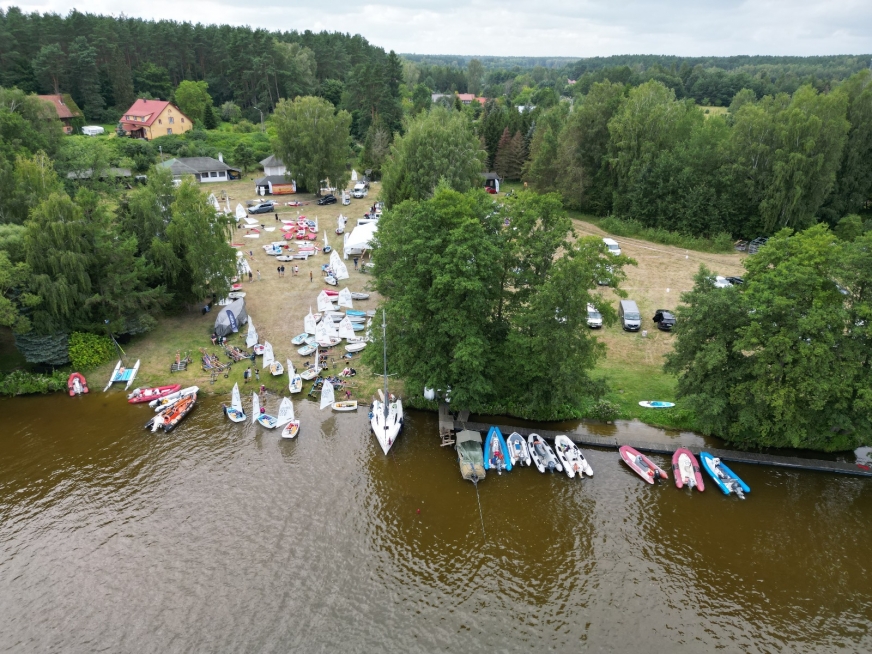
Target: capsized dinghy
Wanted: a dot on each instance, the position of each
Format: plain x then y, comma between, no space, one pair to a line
496,452
641,464
542,454
727,480
518,452
685,469
571,457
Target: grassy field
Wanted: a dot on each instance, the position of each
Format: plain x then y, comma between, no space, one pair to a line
713,111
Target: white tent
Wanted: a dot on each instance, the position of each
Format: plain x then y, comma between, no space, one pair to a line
359,239
353,175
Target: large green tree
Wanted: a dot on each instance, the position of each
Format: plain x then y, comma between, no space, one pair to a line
784,360
437,145
193,99
312,140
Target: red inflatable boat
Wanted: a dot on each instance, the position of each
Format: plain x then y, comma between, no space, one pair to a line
148,394
76,384
686,469
641,464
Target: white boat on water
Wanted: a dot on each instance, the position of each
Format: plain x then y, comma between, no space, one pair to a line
542,454
571,458
519,454
234,411
386,417
295,382
168,400
268,421
328,396
286,419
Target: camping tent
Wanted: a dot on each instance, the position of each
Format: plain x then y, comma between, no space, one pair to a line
231,318
359,239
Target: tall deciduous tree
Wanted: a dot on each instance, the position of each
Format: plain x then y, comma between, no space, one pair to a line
437,145
312,141
193,99
474,76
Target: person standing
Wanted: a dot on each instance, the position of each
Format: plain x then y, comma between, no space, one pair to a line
283,270
279,270
310,275
249,276
246,375
257,374
258,274
277,217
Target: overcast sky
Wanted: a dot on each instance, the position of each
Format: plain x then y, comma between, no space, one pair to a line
569,28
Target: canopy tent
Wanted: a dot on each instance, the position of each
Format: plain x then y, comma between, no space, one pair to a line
360,239
230,318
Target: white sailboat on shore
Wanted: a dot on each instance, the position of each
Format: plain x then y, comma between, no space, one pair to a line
386,417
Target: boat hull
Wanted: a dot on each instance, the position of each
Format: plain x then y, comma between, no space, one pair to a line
155,393
496,453
686,470
270,422
75,389
723,484
641,465
234,415
572,459
544,460
345,405
291,429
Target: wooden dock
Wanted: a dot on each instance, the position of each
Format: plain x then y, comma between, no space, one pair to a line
796,463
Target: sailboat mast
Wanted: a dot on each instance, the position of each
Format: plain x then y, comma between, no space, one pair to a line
385,344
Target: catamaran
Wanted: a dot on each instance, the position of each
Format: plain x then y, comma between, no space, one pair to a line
386,417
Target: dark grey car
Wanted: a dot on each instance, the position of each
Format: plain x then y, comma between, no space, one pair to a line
664,319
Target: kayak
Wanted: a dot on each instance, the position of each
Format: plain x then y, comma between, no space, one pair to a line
656,404
542,454
496,454
727,480
642,465
148,394
571,457
518,452
685,469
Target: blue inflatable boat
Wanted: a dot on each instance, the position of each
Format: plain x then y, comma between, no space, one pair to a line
727,480
496,453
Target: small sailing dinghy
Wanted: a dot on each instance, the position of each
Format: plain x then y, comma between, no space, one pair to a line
234,411
571,457
122,374
345,405
386,416
496,452
310,373
685,469
299,339
251,337
139,395
355,347
642,465
518,452
172,415
727,480
268,421
269,361
306,350
295,382
327,394
258,349
359,296
76,384
542,454
469,455
286,418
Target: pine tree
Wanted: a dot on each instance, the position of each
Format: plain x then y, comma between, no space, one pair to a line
501,160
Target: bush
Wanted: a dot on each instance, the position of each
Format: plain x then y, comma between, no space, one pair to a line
20,382
722,242
604,410
90,350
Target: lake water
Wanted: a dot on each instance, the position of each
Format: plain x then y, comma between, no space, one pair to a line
222,537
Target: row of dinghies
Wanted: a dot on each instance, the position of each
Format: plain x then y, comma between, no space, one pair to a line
503,454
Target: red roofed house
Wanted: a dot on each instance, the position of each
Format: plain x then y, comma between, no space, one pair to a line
467,98
148,119
66,114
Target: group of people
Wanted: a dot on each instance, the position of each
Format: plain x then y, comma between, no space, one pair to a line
295,270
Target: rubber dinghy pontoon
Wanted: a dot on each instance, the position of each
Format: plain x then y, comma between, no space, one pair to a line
154,393
571,457
76,384
496,454
172,415
542,454
685,469
519,454
641,464
727,480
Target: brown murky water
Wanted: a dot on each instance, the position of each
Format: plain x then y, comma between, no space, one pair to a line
221,537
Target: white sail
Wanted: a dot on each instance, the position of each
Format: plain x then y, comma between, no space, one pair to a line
255,407
309,322
268,356
327,397
353,175
340,222
321,333
331,329
251,337
346,330
340,270
214,202
324,303
236,400
227,204
345,298
252,221
240,212
290,366
326,244
286,412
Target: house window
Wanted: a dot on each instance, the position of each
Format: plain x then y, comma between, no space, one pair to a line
172,120
213,174
183,120
159,121
169,130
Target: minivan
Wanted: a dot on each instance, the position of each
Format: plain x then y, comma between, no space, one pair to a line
594,317
612,245
359,190
631,319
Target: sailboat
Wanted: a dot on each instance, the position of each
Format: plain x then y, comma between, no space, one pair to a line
286,418
345,298
327,394
327,247
309,322
251,337
295,382
234,411
340,270
241,214
269,361
270,422
386,417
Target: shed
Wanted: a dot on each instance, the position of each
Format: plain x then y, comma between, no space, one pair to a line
274,185
230,318
492,182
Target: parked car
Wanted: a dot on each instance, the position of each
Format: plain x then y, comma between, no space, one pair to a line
722,282
631,319
262,207
359,190
594,317
735,281
327,199
664,319
612,245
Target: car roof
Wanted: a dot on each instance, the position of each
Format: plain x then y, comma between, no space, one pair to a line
610,241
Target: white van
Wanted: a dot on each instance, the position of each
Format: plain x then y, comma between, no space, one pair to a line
359,190
93,130
612,245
